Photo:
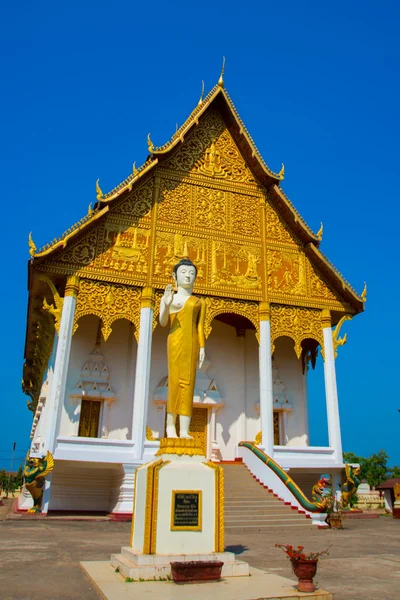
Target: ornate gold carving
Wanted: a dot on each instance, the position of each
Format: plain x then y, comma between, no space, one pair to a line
245,215
219,306
277,433
72,286
219,506
296,323
211,208
150,145
318,285
281,173
320,232
82,253
127,250
258,439
42,338
56,309
338,341
200,99
277,229
221,77
174,203
364,293
181,447
212,163
138,203
32,245
235,265
109,302
286,272
99,193
197,156
396,491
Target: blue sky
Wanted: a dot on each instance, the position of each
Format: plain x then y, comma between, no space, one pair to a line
317,86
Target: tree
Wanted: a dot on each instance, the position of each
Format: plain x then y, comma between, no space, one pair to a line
374,469
18,478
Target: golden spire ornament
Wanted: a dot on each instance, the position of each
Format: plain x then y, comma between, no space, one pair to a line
98,190
134,169
201,95
221,77
90,210
150,145
364,293
320,232
281,173
32,245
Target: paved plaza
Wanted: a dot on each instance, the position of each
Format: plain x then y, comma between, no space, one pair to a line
40,559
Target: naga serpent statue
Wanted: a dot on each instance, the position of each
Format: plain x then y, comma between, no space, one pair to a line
350,483
317,493
35,471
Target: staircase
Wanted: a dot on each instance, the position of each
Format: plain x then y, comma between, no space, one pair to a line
248,505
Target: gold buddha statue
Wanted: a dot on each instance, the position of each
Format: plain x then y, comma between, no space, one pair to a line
186,341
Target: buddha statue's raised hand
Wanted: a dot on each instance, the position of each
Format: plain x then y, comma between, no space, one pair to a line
168,295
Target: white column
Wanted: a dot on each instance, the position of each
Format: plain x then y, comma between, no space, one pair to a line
142,378
57,392
266,384
332,403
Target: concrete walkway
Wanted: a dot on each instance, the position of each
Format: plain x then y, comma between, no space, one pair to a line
40,559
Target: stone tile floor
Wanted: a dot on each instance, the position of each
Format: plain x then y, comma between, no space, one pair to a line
40,559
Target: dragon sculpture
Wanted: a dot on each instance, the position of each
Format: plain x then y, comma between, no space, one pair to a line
317,493
35,472
350,483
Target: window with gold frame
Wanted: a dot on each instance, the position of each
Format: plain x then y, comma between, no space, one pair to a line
89,421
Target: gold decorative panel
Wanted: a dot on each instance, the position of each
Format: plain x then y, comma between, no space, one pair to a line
138,203
245,215
235,265
319,288
174,202
171,247
276,227
296,323
209,150
83,252
277,432
286,272
89,419
126,250
109,302
211,208
219,306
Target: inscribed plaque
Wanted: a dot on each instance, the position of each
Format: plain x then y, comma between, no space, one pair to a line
186,510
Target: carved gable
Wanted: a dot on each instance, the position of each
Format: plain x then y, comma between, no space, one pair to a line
209,150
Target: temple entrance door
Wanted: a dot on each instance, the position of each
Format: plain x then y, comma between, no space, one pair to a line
198,426
90,418
277,429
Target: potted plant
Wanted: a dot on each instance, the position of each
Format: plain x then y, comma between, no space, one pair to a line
304,565
334,507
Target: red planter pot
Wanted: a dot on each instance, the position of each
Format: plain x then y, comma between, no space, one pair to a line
196,570
305,572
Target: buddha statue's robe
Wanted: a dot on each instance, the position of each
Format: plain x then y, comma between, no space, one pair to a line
186,336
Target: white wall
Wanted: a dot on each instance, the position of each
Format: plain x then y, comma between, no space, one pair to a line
290,371
119,353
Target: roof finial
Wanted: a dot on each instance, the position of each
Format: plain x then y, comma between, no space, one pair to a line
134,169
221,77
202,94
364,293
150,145
32,245
320,232
281,173
98,190
90,210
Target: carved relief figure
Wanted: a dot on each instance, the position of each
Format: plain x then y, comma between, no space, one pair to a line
186,342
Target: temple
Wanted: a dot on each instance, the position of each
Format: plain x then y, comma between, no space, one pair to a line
95,356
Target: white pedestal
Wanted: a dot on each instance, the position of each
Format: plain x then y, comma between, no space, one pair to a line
178,514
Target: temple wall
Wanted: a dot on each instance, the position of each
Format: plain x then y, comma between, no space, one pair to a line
119,353
290,371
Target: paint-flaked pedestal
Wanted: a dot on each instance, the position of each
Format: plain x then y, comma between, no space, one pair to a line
178,514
